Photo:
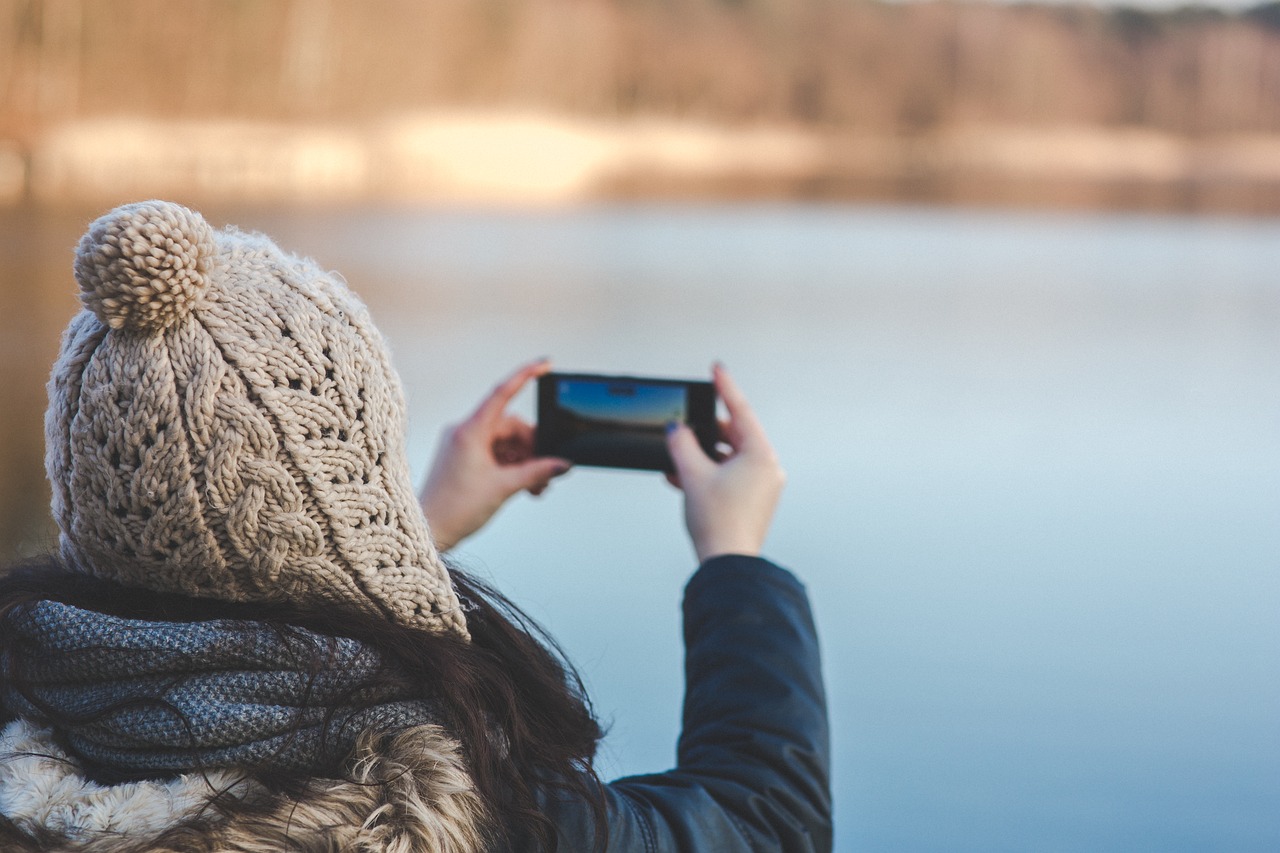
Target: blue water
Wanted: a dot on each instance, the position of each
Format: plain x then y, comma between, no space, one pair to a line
1034,489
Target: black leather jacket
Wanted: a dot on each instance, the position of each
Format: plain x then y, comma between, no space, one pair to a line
753,762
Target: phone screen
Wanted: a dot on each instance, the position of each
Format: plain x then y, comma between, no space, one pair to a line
619,421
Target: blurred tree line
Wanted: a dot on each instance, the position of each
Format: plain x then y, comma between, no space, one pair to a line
839,64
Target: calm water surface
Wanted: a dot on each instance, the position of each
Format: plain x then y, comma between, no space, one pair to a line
1034,486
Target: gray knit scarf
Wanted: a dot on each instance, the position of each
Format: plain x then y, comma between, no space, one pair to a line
158,698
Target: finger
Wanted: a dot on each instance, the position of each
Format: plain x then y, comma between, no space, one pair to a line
673,478
690,460
512,441
507,451
515,429
729,434
492,407
742,418
535,473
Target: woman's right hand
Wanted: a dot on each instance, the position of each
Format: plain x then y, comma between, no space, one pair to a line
482,462
728,505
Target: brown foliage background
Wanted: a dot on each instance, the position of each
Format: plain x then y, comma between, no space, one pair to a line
843,64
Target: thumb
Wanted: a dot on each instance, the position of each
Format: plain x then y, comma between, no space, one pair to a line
535,473
690,460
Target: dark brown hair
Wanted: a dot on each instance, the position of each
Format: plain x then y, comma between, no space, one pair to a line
509,695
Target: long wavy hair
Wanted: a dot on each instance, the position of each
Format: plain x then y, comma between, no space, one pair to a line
515,703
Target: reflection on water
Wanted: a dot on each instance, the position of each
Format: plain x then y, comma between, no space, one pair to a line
1034,483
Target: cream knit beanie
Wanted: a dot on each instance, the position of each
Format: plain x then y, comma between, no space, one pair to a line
224,423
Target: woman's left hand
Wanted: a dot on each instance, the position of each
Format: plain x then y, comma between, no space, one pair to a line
484,460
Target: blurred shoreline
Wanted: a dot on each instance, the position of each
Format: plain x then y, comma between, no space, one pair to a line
528,158
555,102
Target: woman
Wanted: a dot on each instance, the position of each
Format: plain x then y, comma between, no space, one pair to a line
248,640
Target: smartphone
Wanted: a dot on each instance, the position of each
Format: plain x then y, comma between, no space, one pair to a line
620,421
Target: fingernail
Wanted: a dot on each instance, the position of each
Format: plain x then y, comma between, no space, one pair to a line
562,468
672,426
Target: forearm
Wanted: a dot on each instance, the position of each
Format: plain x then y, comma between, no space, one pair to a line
753,760
755,706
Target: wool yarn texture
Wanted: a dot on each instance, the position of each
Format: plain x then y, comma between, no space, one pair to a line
224,422
150,698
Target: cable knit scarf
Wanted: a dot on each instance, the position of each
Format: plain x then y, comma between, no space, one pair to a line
151,699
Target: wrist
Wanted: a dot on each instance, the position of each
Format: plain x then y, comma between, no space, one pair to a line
711,549
442,538
442,533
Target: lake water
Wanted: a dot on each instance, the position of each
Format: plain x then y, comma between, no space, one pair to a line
1034,486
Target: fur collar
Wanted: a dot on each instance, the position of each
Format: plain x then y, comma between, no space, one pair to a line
406,793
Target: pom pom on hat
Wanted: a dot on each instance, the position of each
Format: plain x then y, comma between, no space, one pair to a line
142,267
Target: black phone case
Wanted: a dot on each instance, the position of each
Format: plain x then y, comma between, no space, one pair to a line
618,443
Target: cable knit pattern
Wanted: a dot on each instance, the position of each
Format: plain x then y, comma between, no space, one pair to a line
224,422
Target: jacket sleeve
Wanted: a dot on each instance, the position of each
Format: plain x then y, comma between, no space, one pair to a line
753,763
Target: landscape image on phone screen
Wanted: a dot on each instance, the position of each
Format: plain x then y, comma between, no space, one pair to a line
619,420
